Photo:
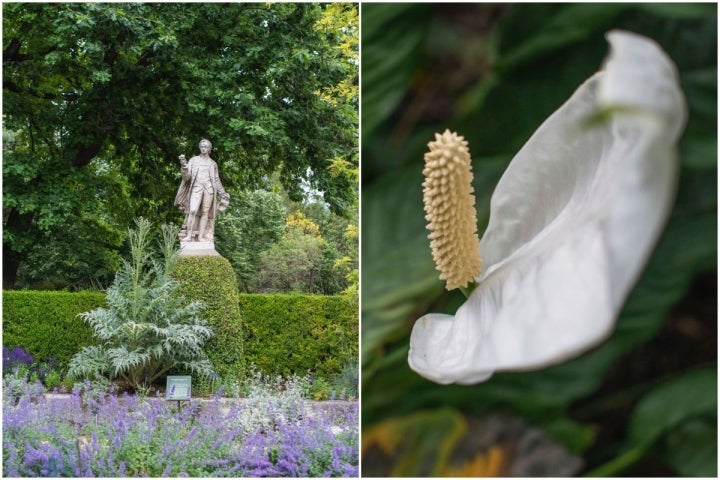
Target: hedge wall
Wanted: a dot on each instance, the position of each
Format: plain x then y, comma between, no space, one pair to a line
283,334
287,334
46,323
211,280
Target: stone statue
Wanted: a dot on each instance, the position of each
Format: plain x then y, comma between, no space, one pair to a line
201,195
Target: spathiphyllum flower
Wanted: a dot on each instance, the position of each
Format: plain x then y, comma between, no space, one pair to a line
573,221
450,208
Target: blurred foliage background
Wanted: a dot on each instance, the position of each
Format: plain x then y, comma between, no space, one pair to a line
642,403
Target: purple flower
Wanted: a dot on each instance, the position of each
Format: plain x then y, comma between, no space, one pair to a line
16,356
120,436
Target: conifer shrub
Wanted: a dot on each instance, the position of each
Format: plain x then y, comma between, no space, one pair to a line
211,280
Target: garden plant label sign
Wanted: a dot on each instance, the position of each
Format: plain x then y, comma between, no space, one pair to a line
178,387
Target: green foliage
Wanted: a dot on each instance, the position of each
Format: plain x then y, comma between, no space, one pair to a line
333,272
67,203
692,448
254,221
100,98
20,366
148,329
53,380
294,334
339,267
494,77
349,263
322,330
387,72
684,405
291,265
319,389
304,260
347,382
316,252
211,281
46,324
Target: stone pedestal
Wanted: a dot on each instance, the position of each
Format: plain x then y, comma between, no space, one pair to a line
206,248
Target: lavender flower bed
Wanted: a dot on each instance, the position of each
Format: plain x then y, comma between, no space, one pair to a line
107,435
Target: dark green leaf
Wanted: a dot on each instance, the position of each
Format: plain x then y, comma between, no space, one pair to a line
392,35
689,396
572,23
692,449
680,11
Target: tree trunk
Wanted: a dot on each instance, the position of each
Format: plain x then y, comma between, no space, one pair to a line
11,262
11,259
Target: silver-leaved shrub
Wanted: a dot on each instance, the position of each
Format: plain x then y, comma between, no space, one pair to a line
268,401
148,329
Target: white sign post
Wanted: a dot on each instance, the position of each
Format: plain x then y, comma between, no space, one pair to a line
178,388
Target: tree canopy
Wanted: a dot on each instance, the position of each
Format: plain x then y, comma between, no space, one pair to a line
100,99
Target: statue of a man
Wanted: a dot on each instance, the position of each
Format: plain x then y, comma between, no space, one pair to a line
201,194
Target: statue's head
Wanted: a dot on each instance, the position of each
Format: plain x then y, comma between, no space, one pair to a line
205,143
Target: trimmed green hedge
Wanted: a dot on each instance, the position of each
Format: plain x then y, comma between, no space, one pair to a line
286,334
211,280
283,334
46,323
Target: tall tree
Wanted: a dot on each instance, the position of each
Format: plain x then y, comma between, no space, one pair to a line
102,98
253,223
294,263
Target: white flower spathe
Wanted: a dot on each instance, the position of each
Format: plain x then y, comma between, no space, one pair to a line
573,221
